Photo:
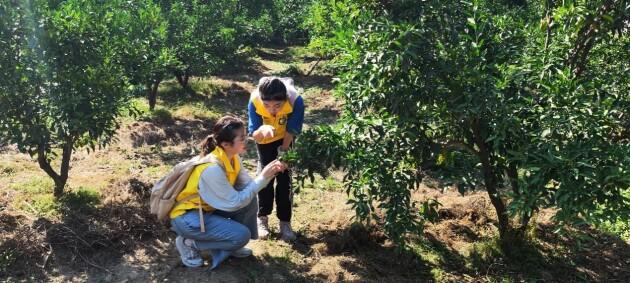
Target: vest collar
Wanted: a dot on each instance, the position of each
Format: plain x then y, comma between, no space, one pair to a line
223,158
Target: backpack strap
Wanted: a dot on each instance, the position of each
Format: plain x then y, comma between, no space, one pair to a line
186,199
202,224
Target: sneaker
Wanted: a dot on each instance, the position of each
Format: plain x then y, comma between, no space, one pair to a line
242,252
286,233
218,256
188,253
263,227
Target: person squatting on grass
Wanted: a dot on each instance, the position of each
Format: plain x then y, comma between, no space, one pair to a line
276,115
227,195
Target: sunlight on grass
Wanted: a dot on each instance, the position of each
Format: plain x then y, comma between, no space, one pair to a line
438,273
291,70
618,227
328,184
273,66
174,102
35,185
140,107
42,203
300,52
195,111
205,86
427,253
161,116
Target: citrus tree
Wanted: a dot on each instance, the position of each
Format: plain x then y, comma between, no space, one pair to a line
142,42
62,88
528,100
202,36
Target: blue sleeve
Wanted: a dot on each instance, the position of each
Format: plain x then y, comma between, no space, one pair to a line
255,121
296,119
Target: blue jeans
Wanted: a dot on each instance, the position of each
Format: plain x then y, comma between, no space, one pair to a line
225,231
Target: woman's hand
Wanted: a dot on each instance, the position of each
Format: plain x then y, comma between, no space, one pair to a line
273,168
265,131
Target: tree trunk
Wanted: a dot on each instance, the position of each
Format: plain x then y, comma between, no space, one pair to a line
153,88
505,230
65,165
59,179
182,79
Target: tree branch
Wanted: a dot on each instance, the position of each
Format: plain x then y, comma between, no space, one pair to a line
587,37
44,164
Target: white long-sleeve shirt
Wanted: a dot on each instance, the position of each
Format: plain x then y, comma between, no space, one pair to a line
216,190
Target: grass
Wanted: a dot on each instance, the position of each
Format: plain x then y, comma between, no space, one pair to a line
312,92
274,66
291,70
618,227
199,111
300,53
175,102
34,186
328,184
36,198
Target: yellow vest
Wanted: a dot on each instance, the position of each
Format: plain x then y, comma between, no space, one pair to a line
279,122
192,186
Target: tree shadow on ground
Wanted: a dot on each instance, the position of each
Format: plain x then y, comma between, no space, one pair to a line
243,65
171,94
364,253
321,81
361,255
226,100
231,102
176,131
274,53
549,257
91,235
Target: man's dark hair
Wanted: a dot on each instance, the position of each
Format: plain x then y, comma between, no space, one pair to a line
272,89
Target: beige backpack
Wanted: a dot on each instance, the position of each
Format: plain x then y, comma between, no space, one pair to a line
165,191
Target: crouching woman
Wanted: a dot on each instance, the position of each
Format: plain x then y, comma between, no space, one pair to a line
217,210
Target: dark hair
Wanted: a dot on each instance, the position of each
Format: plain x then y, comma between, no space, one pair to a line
272,88
224,130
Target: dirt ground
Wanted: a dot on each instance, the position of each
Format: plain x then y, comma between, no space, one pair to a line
102,231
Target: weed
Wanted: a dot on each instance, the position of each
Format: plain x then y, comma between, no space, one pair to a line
44,204
195,111
204,86
162,116
33,186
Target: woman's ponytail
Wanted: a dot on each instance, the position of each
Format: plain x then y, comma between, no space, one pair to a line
208,145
